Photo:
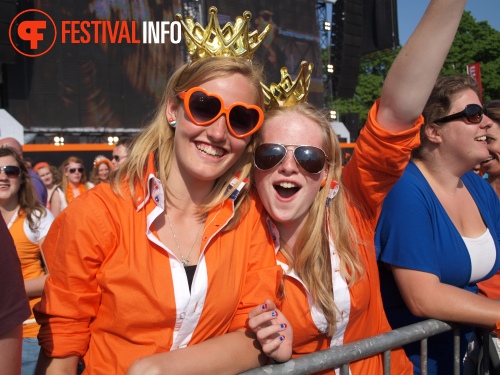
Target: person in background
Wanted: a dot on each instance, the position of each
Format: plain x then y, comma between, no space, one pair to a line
492,163
102,170
56,200
120,152
157,271
491,287
28,163
438,232
38,185
28,222
14,306
74,178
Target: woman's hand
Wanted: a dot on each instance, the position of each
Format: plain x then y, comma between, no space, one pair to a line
272,330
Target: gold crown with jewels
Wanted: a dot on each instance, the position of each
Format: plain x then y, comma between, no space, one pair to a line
289,92
231,40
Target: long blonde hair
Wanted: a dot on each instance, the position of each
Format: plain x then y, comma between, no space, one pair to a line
158,136
311,256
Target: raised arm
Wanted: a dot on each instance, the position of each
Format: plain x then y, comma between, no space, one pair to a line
417,66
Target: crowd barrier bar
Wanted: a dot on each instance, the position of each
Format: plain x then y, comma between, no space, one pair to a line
341,356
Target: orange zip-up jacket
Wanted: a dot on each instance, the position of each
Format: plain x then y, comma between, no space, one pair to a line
116,293
378,161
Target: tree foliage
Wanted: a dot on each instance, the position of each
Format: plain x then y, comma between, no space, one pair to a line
475,42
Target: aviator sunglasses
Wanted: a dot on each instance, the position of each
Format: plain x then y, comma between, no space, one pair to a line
203,108
11,171
73,170
472,112
117,158
268,155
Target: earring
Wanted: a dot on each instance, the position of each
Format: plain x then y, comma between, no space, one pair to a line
172,122
323,183
334,189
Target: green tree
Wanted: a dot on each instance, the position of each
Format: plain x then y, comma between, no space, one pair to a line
474,42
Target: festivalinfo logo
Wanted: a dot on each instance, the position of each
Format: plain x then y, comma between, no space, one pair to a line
37,32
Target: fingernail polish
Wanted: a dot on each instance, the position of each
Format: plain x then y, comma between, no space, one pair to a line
264,306
282,338
274,313
283,325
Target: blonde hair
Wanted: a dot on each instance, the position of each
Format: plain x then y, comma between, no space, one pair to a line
64,178
311,256
158,136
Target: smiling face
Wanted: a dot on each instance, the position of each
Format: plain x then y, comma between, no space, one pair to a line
204,153
462,141
103,172
9,186
492,164
287,190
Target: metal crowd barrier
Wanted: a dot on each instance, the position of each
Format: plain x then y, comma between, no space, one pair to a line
343,355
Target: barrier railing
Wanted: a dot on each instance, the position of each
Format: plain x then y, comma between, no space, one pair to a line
343,355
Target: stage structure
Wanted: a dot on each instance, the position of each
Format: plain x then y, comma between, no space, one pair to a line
87,92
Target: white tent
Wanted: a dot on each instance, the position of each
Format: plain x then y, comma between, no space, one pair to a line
10,127
340,129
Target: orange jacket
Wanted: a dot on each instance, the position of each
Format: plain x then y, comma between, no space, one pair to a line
491,287
116,293
377,163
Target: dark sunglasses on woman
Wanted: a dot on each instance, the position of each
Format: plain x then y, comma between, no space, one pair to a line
11,171
472,112
268,155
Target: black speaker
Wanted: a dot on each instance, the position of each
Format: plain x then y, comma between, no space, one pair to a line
351,122
8,9
347,32
380,25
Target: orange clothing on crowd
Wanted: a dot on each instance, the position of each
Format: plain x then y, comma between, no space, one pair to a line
377,163
26,242
116,293
491,287
82,188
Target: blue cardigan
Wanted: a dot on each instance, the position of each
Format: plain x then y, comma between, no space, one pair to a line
415,232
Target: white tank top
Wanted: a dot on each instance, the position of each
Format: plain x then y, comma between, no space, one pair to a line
482,254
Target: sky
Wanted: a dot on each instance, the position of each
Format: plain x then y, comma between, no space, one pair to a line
410,12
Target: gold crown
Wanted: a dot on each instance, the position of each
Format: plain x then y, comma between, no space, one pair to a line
289,92
231,40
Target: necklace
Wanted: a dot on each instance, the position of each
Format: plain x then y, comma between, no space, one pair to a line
184,259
